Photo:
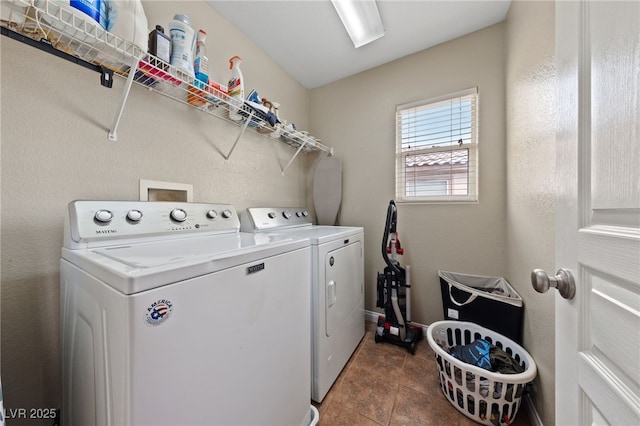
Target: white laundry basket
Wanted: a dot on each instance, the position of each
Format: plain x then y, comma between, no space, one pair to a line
483,396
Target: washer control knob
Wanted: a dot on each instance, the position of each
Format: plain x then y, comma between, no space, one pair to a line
286,214
226,213
212,214
178,215
271,215
305,213
103,216
134,215
299,214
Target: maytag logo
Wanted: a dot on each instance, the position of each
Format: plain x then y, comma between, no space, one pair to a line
106,231
255,268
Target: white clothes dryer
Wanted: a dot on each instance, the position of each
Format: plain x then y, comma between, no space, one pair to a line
171,316
337,286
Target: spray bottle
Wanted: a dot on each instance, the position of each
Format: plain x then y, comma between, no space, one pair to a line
201,62
236,88
197,92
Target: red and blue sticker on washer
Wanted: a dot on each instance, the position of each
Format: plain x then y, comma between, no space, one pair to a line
158,312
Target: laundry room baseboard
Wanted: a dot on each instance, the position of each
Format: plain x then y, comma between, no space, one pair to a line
534,418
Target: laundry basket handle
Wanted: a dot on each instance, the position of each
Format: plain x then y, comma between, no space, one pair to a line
470,299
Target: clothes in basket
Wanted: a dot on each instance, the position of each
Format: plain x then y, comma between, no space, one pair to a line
490,357
485,355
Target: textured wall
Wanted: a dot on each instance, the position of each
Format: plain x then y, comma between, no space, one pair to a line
55,119
361,112
530,81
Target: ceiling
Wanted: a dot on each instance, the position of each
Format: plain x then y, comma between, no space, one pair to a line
307,39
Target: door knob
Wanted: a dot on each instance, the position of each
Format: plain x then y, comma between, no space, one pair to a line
563,281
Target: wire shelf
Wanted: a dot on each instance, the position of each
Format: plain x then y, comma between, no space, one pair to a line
56,24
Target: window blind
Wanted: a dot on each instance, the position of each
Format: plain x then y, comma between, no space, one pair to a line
436,149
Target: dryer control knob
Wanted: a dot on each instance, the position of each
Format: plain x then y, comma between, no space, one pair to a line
134,215
212,214
226,213
103,216
178,215
286,214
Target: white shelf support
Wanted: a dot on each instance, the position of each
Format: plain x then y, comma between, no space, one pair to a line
242,129
113,135
293,158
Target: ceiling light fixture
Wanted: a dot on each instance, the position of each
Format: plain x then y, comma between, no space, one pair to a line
361,20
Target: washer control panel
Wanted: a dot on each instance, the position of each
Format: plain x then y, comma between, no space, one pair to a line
110,220
264,218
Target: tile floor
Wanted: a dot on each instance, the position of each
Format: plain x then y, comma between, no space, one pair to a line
384,385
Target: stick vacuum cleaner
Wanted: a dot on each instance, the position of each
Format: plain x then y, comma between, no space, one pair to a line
394,290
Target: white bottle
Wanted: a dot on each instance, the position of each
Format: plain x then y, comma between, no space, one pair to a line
201,63
236,88
182,42
197,91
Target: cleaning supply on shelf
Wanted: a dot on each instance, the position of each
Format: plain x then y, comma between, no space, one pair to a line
260,111
201,62
127,20
160,44
96,31
216,92
235,88
253,103
275,131
197,93
182,41
96,10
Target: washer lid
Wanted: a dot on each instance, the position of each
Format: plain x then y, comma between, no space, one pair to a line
132,268
319,234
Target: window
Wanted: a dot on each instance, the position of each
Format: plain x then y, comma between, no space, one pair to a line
437,149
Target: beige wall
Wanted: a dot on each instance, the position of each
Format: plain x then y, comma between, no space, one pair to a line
55,119
357,115
530,106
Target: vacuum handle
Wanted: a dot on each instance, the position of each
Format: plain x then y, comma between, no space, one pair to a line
390,226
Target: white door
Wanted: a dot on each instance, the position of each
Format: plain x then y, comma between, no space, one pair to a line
598,205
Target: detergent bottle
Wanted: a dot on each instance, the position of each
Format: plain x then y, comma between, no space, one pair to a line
235,89
160,44
182,41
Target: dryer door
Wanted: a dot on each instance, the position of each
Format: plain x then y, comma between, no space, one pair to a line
343,269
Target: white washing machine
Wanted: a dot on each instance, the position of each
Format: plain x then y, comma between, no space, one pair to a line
337,292
171,316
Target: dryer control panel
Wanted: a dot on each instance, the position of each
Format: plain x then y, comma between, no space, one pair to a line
103,221
268,218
